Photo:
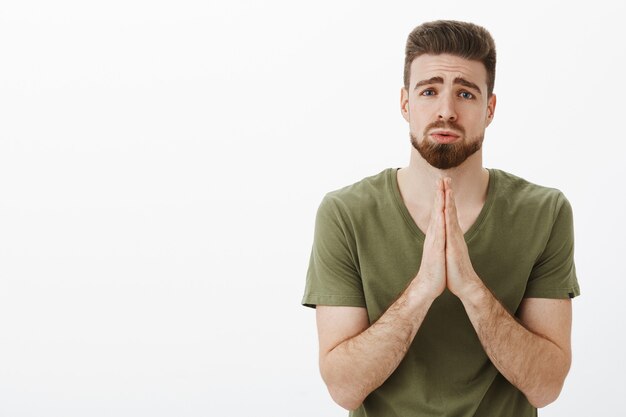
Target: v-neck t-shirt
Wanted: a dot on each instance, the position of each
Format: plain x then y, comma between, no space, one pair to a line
367,248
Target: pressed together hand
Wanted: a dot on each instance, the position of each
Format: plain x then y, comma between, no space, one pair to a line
445,260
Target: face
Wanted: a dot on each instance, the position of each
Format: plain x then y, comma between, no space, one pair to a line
447,108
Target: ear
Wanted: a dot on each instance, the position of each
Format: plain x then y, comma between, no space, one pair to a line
404,103
491,109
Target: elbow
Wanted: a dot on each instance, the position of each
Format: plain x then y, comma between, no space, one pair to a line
342,385
342,389
547,392
540,402
545,395
344,397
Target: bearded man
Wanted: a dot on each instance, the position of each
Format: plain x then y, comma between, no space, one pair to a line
444,288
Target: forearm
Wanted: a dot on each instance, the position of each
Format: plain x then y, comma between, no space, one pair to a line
359,365
531,362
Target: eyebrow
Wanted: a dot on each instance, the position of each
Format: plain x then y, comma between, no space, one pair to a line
458,80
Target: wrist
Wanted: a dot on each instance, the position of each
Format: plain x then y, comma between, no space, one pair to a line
474,293
418,293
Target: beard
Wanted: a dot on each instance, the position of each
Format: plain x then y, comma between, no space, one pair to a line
446,155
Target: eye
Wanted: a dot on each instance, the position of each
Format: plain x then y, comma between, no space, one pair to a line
428,92
466,95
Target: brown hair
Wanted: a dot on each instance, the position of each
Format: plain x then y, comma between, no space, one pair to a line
463,39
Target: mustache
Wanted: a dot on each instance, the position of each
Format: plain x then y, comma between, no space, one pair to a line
440,124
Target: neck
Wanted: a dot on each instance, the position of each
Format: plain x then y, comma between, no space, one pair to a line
469,181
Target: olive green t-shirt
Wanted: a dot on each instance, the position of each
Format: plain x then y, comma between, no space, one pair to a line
367,248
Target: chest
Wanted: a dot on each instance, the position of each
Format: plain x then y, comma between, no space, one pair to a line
466,215
502,254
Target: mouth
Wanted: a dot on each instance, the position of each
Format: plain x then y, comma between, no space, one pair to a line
444,136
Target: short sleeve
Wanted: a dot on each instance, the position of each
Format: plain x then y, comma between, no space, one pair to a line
333,275
554,273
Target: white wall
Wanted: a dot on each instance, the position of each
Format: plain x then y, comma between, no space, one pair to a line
161,164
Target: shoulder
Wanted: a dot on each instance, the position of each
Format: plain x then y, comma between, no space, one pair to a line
360,197
520,195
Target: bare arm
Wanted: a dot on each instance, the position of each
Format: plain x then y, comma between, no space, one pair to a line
534,353
356,358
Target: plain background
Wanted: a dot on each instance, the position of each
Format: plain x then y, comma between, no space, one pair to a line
161,164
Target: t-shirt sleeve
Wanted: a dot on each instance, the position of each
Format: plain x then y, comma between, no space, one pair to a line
554,272
333,276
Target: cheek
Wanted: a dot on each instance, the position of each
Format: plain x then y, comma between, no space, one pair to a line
476,118
416,119
419,113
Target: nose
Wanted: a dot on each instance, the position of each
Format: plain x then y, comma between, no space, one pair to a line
447,109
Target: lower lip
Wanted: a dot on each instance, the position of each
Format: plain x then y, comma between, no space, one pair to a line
444,138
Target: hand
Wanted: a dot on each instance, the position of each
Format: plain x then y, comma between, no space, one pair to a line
461,277
431,278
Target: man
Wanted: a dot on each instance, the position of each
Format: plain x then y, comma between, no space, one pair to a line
443,288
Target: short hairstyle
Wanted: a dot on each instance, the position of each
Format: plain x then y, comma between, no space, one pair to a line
463,39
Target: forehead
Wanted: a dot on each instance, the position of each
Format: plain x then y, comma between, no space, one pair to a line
448,67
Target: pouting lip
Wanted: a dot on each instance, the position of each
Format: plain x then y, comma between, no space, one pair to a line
444,133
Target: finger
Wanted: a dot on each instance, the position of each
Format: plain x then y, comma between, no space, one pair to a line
452,220
442,189
439,198
447,186
432,222
440,218
436,226
438,202
450,203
